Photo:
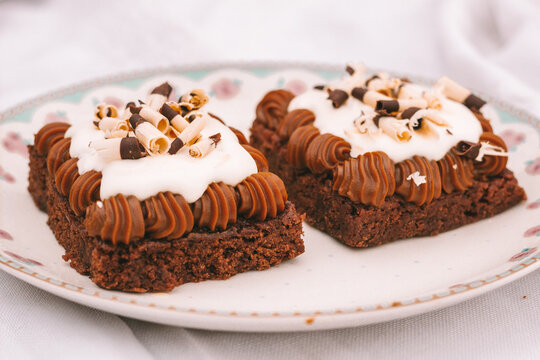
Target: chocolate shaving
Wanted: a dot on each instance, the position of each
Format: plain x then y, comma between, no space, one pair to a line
449,132
349,70
358,93
96,123
163,89
319,87
129,148
215,138
408,113
168,112
141,102
130,104
135,120
135,109
176,145
387,106
338,97
467,149
216,117
192,117
474,102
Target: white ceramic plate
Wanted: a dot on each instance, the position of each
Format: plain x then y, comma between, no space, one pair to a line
331,285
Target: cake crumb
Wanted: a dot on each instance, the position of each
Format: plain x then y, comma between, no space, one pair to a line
524,296
310,320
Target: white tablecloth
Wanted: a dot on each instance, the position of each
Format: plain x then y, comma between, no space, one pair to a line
492,46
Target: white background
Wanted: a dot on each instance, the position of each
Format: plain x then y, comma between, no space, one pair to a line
492,46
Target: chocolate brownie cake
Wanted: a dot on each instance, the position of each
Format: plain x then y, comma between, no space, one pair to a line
160,194
372,159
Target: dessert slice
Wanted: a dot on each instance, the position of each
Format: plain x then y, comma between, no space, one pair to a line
372,159
160,194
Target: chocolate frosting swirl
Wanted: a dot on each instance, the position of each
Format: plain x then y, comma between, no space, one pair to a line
456,172
84,191
368,178
423,193
273,107
491,165
299,143
484,122
241,138
48,135
58,154
325,151
293,120
261,195
216,208
116,219
66,175
260,159
167,216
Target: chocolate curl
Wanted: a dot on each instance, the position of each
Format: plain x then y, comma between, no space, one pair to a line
113,127
190,134
204,146
127,112
368,97
196,97
456,92
106,110
396,129
151,138
338,97
417,122
159,95
117,149
159,121
176,120
394,106
468,149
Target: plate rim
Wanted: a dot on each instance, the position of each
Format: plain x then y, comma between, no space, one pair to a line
356,317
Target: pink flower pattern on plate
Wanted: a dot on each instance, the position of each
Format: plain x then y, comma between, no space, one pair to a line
5,235
535,230
111,100
512,138
225,88
6,176
533,167
523,254
296,86
534,205
15,144
23,259
55,117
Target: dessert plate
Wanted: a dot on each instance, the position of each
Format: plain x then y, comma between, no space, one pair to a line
330,285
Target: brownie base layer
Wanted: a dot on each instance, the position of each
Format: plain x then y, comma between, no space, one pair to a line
37,178
161,265
360,225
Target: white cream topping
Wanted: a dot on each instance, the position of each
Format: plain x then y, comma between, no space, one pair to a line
462,125
180,173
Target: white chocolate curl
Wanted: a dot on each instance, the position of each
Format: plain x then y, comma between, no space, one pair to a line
383,83
433,100
113,127
108,149
396,129
371,98
155,118
405,104
193,131
349,82
104,110
156,100
202,147
364,124
410,91
196,97
152,139
452,89
179,123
